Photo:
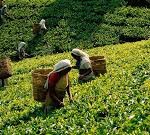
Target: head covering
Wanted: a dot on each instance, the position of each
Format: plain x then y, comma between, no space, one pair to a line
42,24
21,45
62,65
5,6
79,52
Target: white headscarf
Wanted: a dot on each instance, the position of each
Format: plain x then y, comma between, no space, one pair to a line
79,52
21,45
5,6
84,56
60,66
42,24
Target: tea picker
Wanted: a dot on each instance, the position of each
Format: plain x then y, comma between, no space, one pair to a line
88,67
83,64
42,24
39,28
22,50
3,11
51,85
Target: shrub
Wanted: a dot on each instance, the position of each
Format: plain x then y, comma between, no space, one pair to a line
116,103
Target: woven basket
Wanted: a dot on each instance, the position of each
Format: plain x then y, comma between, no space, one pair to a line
98,65
36,28
5,68
96,57
39,78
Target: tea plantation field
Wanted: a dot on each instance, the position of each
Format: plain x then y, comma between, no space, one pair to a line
116,103
71,23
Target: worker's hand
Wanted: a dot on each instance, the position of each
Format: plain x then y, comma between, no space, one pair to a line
61,104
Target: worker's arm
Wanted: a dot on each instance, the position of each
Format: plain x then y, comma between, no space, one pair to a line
86,73
69,93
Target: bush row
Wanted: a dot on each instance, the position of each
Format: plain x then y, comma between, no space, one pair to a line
116,103
70,24
125,24
83,24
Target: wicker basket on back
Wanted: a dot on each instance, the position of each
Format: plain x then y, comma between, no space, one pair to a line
98,65
5,68
36,28
39,77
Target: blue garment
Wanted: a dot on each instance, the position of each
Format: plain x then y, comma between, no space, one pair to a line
78,63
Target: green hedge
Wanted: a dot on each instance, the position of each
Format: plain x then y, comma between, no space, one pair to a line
116,103
83,24
123,25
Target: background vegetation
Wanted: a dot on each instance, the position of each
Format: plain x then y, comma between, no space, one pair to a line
72,23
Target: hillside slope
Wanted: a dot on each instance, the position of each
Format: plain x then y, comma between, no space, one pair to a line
116,103
71,23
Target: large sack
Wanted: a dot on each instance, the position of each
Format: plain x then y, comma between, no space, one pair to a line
39,78
5,68
98,65
36,28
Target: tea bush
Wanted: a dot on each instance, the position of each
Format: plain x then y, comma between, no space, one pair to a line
116,103
125,24
84,24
